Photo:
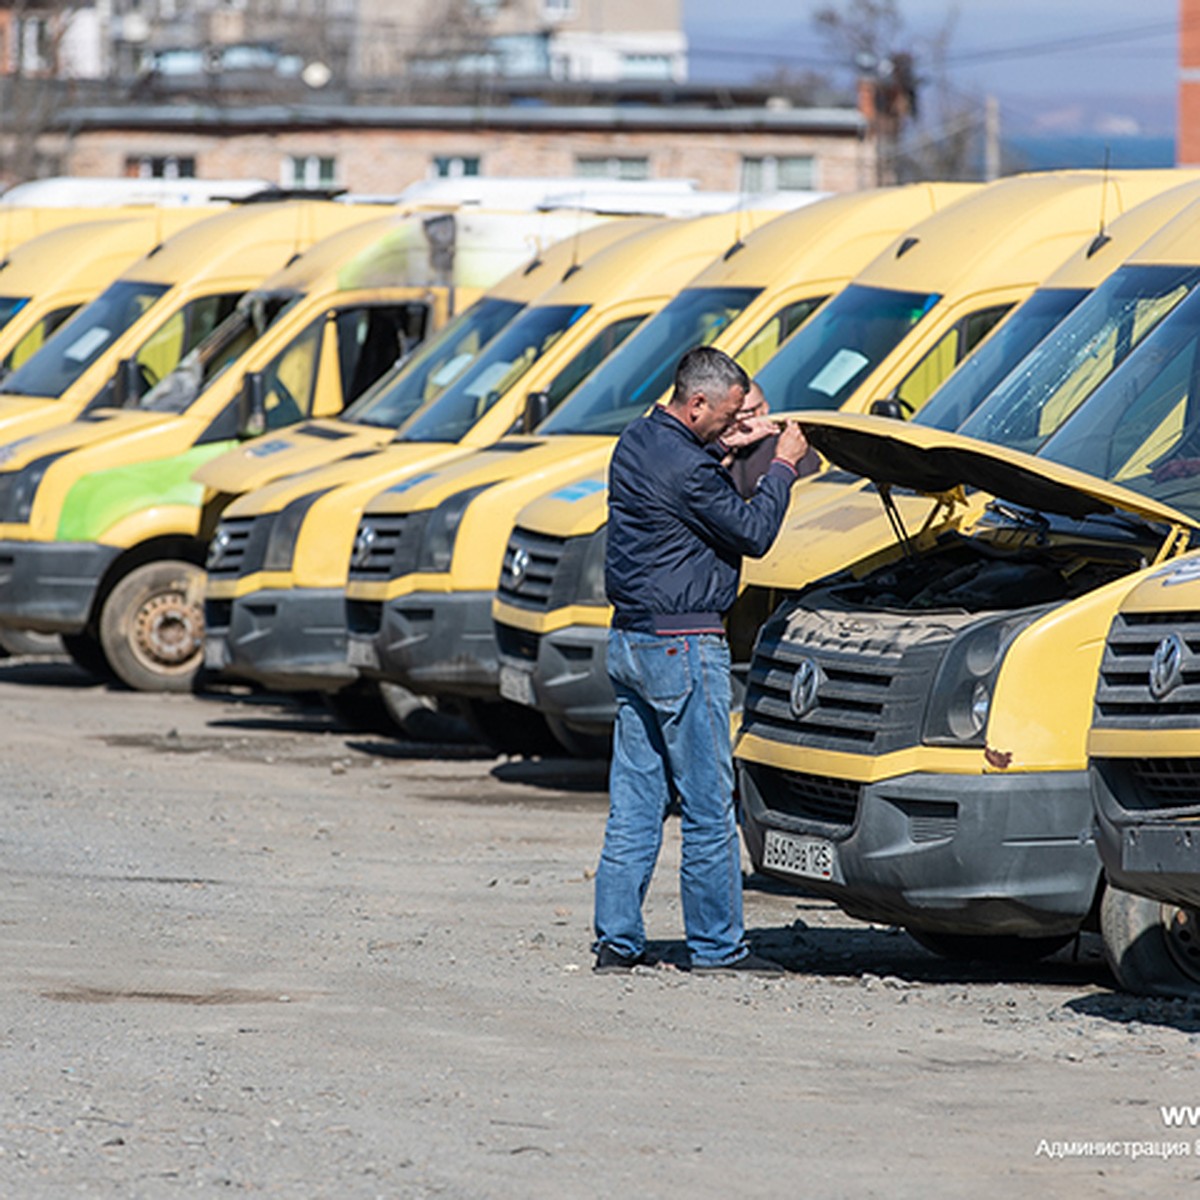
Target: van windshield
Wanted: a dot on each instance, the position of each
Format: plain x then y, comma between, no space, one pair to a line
83,339
1060,373
825,361
10,306
497,370
391,401
1141,427
637,374
176,391
977,376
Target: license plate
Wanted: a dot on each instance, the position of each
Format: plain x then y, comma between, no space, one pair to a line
811,858
216,653
517,685
362,653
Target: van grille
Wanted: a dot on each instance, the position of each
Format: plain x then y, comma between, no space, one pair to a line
552,569
239,545
1123,696
874,674
819,800
386,545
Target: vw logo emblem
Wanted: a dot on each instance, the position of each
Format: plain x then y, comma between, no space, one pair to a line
364,540
1166,667
805,683
518,566
220,544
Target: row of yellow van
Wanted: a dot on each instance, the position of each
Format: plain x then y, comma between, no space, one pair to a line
333,447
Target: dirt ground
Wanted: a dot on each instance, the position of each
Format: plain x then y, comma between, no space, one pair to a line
242,952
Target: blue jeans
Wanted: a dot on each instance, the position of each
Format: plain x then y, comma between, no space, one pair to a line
671,738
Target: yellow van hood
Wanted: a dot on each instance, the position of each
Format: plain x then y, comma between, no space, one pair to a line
929,460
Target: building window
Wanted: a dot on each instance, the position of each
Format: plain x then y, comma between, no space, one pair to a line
455,166
309,171
794,173
612,168
647,66
160,166
558,10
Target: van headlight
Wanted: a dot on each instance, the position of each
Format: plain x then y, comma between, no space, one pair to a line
591,569
960,701
19,488
437,542
285,532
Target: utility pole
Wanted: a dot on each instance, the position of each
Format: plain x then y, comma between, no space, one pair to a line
991,139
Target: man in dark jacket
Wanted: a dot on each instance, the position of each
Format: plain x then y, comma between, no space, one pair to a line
677,531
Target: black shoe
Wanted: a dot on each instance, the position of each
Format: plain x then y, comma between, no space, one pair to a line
748,964
613,962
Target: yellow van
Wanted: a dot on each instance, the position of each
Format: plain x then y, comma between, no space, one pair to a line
563,241
914,740
551,623
46,279
1144,760
452,648
275,612
20,224
161,308
111,528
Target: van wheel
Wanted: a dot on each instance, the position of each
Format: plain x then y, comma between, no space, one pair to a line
580,745
21,643
510,728
990,948
1151,947
83,649
152,626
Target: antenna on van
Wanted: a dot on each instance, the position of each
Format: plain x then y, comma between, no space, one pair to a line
738,244
575,240
1102,238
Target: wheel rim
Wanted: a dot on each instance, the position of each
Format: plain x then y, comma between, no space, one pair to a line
1181,927
168,631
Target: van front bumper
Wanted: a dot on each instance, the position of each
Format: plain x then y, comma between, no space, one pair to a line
50,587
435,643
964,854
289,639
564,674
1150,851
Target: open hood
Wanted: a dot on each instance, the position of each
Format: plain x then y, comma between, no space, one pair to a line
888,451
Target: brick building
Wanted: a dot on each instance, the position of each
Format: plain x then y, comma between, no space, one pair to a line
379,150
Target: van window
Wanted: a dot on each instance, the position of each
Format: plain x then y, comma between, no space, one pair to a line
372,338
762,346
590,357
83,339
35,338
180,333
291,377
10,306
937,366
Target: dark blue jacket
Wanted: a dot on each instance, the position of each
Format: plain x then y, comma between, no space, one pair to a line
677,528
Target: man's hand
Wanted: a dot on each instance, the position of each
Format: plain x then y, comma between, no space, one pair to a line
747,431
792,445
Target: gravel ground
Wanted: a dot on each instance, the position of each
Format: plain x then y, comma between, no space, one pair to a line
244,952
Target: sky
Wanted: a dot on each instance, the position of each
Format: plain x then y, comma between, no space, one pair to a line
1057,67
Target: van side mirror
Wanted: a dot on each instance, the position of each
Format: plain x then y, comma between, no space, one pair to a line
537,409
252,406
890,407
126,384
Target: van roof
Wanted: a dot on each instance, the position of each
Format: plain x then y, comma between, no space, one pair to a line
1011,233
820,239
245,241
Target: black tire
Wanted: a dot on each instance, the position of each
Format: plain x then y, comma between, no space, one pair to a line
152,626
420,718
359,708
84,651
1152,948
580,745
510,728
990,948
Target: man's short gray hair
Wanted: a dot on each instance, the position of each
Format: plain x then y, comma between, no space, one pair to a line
708,370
